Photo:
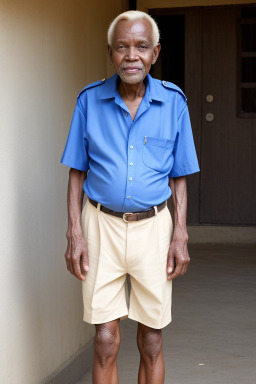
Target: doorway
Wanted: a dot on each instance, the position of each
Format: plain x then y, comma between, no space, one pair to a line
210,53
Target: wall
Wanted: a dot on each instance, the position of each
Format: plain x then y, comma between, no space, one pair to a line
49,51
144,5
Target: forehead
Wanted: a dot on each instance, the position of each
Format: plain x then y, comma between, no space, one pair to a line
137,29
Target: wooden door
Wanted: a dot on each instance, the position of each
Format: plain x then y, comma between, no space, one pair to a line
228,150
222,107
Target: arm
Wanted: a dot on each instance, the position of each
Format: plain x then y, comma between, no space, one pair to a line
178,257
76,254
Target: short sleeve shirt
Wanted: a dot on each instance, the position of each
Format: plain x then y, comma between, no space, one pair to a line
129,163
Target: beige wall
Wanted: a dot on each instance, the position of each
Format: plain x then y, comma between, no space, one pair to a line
144,5
49,51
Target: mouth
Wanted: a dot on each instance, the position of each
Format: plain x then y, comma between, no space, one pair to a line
131,69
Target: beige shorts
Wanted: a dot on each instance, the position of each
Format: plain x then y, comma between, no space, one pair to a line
117,248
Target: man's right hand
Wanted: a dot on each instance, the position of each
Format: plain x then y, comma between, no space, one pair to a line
76,256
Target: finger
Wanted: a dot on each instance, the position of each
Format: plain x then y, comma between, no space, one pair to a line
170,263
176,272
186,264
185,267
83,270
85,261
67,262
183,270
72,257
77,270
71,269
68,265
67,257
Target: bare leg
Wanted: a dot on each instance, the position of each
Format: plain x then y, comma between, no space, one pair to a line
106,346
150,344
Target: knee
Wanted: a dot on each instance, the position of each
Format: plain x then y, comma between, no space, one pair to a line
150,344
106,344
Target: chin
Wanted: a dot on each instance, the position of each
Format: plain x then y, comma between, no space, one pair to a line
132,79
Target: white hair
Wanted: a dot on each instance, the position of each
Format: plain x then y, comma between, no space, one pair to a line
131,16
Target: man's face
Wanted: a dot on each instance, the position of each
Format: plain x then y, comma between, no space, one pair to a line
132,52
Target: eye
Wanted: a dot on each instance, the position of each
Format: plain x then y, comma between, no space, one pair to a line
142,47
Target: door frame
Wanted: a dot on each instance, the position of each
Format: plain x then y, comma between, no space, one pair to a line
193,91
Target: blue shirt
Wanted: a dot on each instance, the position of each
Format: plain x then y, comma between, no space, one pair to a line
129,162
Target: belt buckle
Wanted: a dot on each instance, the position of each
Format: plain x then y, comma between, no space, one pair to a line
126,213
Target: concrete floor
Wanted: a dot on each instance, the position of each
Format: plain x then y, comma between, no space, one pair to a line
214,321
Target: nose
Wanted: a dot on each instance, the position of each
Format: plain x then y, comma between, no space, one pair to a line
132,54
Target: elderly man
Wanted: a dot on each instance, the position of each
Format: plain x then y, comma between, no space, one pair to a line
130,147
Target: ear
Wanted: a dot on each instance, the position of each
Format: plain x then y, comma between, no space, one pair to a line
156,52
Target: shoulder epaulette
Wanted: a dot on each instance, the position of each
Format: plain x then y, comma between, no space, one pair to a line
168,84
92,85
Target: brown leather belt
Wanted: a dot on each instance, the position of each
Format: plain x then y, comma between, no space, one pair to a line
131,216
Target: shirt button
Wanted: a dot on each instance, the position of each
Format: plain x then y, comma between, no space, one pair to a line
126,114
130,178
128,197
131,146
131,164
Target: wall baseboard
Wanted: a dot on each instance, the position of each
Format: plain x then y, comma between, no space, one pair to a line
199,234
74,369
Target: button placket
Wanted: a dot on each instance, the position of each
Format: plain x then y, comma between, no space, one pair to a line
130,170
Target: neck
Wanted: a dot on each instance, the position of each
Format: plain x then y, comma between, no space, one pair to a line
131,91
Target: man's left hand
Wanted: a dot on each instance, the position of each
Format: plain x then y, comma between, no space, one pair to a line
178,259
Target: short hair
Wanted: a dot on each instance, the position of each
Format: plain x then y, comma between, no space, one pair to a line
131,16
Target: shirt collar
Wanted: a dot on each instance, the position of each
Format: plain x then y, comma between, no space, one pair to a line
153,91
109,88
156,90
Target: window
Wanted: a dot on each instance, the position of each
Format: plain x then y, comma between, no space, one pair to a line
247,63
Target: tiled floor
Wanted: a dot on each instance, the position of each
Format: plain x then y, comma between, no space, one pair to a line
214,322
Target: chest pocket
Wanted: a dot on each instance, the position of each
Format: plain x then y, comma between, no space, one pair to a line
157,153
